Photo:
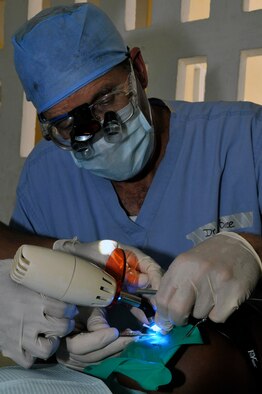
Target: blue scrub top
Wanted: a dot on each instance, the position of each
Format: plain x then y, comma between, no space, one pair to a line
210,180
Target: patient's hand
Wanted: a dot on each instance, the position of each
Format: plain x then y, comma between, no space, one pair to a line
217,367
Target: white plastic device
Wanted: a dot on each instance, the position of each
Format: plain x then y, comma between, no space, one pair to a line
63,276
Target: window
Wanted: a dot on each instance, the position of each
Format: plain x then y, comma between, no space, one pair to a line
191,79
252,5
96,2
192,10
250,76
2,25
138,14
28,127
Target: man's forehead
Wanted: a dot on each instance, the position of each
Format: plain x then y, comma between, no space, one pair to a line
89,92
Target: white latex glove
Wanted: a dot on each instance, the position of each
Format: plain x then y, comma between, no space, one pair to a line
96,341
141,271
30,323
212,279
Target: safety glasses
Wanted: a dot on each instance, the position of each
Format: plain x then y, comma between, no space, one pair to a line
75,129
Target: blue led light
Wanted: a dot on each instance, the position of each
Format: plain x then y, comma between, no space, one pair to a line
154,338
158,339
155,328
152,327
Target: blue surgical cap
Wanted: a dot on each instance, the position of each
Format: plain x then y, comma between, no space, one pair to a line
62,49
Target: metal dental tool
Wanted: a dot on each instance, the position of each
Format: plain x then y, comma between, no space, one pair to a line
195,326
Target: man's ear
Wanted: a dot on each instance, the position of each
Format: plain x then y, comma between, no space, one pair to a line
139,66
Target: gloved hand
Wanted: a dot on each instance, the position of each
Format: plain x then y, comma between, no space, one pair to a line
141,271
96,341
101,340
212,279
30,323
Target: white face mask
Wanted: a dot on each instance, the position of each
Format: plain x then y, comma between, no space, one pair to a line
122,160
